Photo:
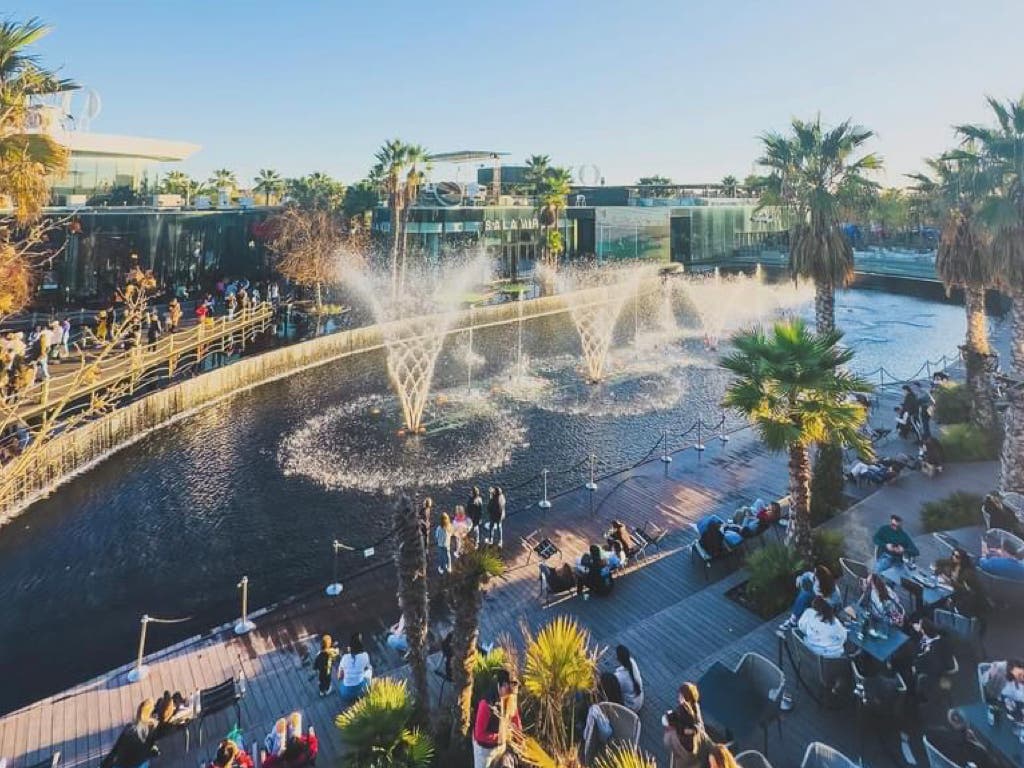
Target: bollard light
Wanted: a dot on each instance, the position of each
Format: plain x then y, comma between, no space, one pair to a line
592,485
545,503
244,626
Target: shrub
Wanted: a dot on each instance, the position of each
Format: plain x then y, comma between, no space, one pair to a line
772,569
952,404
965,442
958,510
827,483
828,546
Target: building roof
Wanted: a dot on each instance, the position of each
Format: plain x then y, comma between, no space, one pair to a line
111,145
465,156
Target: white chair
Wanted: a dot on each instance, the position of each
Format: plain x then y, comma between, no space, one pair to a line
820,755
935,758
752,759
625,730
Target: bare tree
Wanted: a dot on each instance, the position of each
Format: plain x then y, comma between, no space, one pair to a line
307,243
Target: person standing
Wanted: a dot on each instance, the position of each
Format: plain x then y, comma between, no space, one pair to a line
153,330
174,315
496,517
475,510
496,716
443,538
423,517
324,663
354,671
102,326
42,347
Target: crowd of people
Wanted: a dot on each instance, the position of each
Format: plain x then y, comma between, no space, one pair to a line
483,521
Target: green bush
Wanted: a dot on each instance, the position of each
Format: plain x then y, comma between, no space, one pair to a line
965,442
772,568
828,546
827,483
958,510
952,404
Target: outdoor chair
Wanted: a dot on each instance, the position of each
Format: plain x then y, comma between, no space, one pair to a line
949,542
547,592
50,762
883,697
752,759
827,681
1000,591
644,536
699,553
535,544
988,690
768,681
967,631
820,755
218,698
853,571
935,758
986,517
625,730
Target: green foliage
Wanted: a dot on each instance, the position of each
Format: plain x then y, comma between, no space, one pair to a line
827,483
317,191
377,729
485,667
772,569
952,404
958,510
828,546
966,442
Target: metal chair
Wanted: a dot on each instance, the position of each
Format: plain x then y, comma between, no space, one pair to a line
853,570
984,670
949,542
752,759
831,679
935,758
218,698
967,630
820,755
768,680
625,730
50,762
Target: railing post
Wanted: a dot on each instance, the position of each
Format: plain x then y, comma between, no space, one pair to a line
170,355
246,314
44,395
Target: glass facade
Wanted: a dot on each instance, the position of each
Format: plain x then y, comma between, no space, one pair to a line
628,232
91,174
709,232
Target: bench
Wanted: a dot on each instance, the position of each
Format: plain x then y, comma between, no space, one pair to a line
698,552
546,593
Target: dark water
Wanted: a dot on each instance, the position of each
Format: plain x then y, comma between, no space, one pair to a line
168,526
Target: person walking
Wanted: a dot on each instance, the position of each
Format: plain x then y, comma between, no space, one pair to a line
443,539
324,663
475,511
153,330
497,715
496,517
174,315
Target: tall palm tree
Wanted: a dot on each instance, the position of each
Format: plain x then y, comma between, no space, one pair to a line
473,568
377,729
729,186
953,190
392,158
559,664
411,562
792,386
416,160
269,182
553,191
999,149
224,178
813,172
27,159
537,167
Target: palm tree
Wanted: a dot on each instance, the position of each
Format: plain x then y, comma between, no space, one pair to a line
27,160
553,191
729,186
473,568
223,178
559,664
953,194
377,729
411,562
792,386
391,161
813,172
174,183
416,159
537,167
999,149
268,182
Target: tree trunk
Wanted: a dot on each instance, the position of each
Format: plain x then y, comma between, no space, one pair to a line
467,598
977,325
395,218
800,494
1011,469
1017,335
824,307
319,298
411,562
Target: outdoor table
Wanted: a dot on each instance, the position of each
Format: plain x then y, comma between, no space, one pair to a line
880,648
730,701
999,738
924,595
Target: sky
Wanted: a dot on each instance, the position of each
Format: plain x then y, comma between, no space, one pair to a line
674,87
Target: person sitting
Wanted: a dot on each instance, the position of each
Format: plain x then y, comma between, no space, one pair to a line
497,718
135,744
968,593
932,657
299,749
1011,692
721,757
230,755
630,682
958,744
904,426
817,583
595,572
171,710
1001,562
933,456
893,545
823,633
354,671
717,538
560,579
881,602
620,533
1001,516
687,743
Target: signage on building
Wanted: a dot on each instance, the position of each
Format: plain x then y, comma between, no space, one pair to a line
498,225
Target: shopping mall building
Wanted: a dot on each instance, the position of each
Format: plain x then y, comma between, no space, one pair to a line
106,208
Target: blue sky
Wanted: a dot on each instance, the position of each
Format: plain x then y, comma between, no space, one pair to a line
667,86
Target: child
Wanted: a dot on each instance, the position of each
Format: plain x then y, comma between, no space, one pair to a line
324,663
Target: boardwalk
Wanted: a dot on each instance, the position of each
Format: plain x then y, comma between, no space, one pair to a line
675,621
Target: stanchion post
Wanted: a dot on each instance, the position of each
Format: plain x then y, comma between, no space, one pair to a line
592,485
700,442
665,457
545,503
141,670
335,587
244,626
721,431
